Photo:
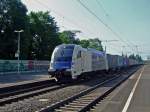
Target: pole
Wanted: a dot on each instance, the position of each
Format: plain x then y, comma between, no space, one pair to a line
106,61
18,51
137,49
123,49
106,51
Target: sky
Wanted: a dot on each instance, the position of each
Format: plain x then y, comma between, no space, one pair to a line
125,21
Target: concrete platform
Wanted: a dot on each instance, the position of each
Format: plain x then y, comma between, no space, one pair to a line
11,79
131,96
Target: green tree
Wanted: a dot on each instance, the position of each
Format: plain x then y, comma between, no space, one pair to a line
13,17
44,32
96,44
92,43
68,37
136,57
132,56
139,58
85,43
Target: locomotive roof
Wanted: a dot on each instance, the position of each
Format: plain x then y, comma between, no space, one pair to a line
96,51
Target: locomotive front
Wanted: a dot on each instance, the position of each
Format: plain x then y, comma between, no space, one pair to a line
61,61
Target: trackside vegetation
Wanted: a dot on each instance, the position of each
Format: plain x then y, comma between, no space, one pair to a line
41,33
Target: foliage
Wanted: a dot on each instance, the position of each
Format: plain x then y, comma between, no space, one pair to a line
85,43
136,57
92,43
41,34
44,34
68,37
12,17
139,58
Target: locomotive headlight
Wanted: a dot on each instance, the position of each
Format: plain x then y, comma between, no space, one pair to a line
68,70
51,66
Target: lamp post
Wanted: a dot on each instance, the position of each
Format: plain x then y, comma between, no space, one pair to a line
18,51
137,49
125,52
123,49
2,31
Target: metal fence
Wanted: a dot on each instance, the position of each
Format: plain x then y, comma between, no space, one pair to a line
24,65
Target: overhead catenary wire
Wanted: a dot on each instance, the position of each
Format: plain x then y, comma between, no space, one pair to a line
109,17
56,12
66,18
101,21
114,47
100,5
75,23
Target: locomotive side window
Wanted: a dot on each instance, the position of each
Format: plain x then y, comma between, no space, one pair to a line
79,54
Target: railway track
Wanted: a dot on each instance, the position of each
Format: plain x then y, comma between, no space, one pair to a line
19,92
23,91
86,99
20,88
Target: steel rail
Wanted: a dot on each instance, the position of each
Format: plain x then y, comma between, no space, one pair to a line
86,99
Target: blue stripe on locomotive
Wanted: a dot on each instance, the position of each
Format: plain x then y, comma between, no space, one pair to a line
62,65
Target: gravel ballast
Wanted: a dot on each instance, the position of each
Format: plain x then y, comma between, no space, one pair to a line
37,102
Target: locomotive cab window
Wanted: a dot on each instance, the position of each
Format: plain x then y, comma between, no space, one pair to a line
65,54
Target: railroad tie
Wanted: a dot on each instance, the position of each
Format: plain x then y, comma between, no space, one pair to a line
65,109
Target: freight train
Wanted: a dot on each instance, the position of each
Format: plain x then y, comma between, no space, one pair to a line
70,61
